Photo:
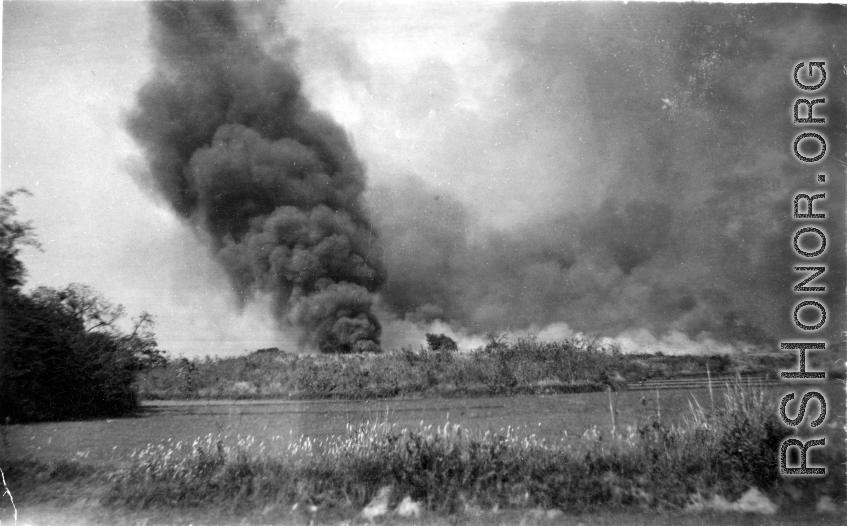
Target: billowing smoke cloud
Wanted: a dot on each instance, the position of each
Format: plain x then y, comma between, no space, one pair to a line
235,148
627,174
674,192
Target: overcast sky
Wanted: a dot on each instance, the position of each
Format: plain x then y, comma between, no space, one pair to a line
508,119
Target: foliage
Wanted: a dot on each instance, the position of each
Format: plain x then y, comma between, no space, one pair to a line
523,365
449,469
57,368
750,432
100,316
441,342
84,303
63,353
526,365
13,235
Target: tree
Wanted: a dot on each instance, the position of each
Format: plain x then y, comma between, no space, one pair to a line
84,303
13,235
99,315
142,342
63,353
62,361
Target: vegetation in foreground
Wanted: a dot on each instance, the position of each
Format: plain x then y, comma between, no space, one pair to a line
448,470
501,367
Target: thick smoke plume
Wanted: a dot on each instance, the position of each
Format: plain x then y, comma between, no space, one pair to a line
630,175
673,177
235,148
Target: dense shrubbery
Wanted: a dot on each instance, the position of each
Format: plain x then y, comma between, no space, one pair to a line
406,371
62,352
440,342
501,366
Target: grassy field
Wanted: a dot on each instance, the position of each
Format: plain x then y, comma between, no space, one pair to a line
262,457
555,417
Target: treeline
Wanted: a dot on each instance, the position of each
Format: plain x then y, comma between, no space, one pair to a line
68,353
65,353
501,367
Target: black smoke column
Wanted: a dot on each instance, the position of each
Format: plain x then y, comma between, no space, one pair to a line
234,147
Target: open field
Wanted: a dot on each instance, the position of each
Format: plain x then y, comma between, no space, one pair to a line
90,466
552,417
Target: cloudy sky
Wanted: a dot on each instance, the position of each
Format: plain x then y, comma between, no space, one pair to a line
617,170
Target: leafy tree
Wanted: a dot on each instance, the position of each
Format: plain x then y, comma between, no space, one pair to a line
84,303
63,353
99,315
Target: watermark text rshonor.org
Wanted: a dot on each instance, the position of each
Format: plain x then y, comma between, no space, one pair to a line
809,240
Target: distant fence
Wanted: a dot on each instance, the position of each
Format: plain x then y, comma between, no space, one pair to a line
698,382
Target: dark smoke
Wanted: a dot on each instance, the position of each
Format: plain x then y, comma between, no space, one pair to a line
680,220
235,148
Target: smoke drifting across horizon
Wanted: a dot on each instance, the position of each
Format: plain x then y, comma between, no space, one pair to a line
235,148
674,176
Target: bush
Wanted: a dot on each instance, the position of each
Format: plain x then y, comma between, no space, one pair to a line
440,342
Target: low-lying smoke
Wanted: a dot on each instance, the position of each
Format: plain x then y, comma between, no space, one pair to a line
682,115
235,148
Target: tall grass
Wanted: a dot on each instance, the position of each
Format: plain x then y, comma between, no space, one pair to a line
450,469
721,451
